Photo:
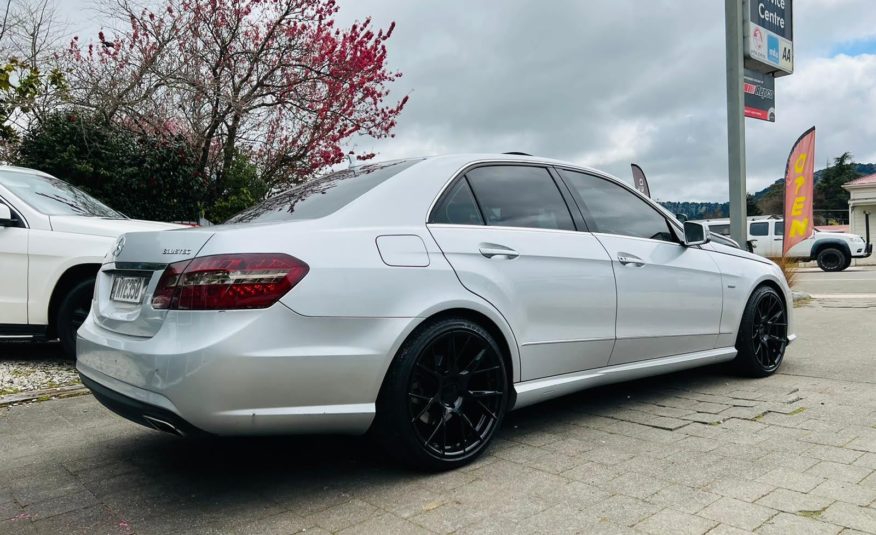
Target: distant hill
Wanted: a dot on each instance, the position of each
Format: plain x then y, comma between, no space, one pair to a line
704,210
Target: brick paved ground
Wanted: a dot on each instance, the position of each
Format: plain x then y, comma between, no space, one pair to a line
694,453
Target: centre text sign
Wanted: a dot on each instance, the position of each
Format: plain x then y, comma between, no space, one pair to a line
769,36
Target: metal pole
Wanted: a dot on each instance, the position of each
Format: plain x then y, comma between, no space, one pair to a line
735,121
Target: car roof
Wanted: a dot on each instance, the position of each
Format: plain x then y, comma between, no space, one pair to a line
24,170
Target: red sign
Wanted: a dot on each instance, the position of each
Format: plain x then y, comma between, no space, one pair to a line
799,188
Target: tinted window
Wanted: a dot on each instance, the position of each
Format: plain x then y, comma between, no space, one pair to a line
759,229
614,210
322,196
51,196
723,230
780,228
458,207
520,196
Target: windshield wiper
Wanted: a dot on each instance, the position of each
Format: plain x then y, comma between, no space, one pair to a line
68,203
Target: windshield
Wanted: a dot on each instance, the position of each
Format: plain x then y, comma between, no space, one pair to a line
51,196
322,196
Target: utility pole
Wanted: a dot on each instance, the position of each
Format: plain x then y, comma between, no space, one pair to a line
735,121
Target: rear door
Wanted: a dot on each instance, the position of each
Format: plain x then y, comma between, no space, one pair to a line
13,275
669,297
509,234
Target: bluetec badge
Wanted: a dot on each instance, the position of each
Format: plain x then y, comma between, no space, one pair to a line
773,49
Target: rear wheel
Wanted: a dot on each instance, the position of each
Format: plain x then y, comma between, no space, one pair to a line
833,259
763,334
445,395
71,314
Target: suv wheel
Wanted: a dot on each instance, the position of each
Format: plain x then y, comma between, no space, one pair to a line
832,259
444,397
763,334
71,314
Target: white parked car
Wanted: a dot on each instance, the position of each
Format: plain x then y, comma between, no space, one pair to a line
53,239
423,297
833,251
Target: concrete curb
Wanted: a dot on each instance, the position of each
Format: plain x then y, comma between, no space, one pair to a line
42,395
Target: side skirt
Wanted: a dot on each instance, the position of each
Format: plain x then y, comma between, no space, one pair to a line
531,392
17,330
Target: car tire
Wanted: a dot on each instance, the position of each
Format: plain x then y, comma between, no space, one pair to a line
832,259
444,397
71,314
763,334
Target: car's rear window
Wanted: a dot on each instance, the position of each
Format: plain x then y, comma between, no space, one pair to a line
324,195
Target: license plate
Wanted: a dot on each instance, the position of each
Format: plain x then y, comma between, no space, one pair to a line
128,289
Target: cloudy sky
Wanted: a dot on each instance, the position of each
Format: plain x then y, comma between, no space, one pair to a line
608,82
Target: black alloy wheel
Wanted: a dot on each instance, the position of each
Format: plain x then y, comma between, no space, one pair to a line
72,312
763,334
445,395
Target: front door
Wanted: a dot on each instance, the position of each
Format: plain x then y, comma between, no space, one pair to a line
509,235
669,296
13,275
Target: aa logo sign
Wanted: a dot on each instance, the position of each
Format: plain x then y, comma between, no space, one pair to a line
798,191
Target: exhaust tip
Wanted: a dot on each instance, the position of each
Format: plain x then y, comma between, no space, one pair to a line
162,425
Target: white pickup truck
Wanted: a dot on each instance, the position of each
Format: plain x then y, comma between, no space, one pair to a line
833,251
53,238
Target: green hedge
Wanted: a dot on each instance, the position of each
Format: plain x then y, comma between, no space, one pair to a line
144,176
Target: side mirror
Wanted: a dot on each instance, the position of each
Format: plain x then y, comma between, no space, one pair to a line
695,233
6,216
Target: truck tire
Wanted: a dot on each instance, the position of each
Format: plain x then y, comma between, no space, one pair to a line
832,259
71,314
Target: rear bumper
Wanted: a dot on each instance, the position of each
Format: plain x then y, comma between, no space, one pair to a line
245,372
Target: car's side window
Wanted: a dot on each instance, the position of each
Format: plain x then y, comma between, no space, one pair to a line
780,228
611,209
722,229
458,207
759,229
519,196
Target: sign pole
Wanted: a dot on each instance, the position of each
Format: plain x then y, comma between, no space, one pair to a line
735,121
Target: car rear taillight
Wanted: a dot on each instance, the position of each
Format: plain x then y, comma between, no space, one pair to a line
225,282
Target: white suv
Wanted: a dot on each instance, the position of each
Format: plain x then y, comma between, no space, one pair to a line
833,251
53,238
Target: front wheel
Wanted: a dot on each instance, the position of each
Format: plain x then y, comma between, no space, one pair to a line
832,259
445,395
71,314
763,334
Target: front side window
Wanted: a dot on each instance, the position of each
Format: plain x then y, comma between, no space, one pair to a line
614,210
759,229
723,230
51,196
519,196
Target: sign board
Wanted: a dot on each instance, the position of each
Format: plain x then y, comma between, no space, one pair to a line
768,41
640,181
760,95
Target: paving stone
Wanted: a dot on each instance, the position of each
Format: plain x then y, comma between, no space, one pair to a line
791,479
684,499
634,485
784,524
867,459
740,489
621,510
840,472
794,502
834,454
724,529
672,522
279,524
863,444
341,516
737,513
385,524
846,492
851,516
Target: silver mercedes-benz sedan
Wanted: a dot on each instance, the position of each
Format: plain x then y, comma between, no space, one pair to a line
421,299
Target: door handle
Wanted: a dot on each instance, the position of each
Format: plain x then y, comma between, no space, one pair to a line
628,259
498,251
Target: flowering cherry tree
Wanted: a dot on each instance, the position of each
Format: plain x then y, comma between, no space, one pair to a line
275,80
